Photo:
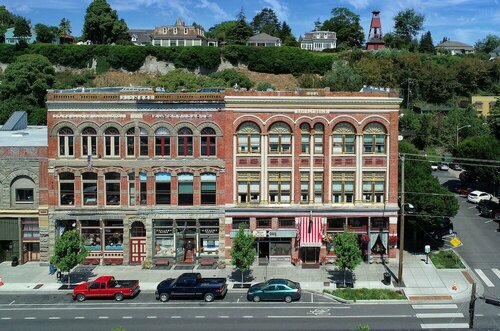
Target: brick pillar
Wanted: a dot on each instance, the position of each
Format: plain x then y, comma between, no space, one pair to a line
196,190
123,190
77,190
150,188
174,188
100,190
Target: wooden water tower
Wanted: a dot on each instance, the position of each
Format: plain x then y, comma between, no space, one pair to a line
375,37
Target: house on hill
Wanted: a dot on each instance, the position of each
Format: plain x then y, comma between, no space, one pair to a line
495,54
263,40
140,37
318,40
11,39
454,48
180,34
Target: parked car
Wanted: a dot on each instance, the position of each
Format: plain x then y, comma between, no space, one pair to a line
477,196
488,208
434,166
106,287
191,286
443,167
455,166
275,289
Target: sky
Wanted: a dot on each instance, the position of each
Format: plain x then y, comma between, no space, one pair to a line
460,20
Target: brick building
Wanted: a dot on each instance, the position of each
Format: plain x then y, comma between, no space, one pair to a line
145,174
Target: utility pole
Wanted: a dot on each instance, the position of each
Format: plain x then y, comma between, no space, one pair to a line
472,305
402,227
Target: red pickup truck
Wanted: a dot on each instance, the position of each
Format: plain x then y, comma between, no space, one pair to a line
106,287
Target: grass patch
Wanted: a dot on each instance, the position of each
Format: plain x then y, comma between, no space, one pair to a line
446,260
367,294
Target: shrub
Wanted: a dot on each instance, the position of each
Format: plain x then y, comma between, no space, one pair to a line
181,80
197,57
102,65
231,77
129,58
264,86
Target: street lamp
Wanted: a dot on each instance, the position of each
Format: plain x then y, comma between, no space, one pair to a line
460,128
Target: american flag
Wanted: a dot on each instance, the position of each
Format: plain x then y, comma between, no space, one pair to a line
310,230
89,162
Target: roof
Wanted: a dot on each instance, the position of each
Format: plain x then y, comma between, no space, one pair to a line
449,44
263,37
495,53
17,121
32,136
143,35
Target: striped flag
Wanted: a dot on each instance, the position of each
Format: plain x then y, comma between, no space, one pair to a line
310,229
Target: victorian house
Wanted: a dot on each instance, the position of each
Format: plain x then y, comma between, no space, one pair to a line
180,34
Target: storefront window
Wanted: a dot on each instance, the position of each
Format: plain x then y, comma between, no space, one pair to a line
209,237
241,221
30,228
357,223
379,223
96,232
92,235
113,235
335,223
281,248
164,246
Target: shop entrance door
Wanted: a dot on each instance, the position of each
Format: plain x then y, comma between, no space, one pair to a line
189,248
31,251
309,254
137,243
263,249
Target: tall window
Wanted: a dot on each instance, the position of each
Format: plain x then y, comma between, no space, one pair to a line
374,138
89,188
112,142
249,138
66,189
185,142
318,138
89,141
304,187
343,187
185,189
305,138
318,187
208,142
143,198
65,142
279,187
131,142
162,188
131,189
143,142
343,139
112,188
373,187
280,138
162,142
248,187
208,189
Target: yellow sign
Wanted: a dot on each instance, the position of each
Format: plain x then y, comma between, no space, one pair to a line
455,242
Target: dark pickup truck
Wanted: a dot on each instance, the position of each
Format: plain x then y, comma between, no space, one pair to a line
191,286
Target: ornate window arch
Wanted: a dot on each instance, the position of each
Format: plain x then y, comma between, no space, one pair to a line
162,142
112,142
89,141
185,142
130,141
280,138
248,138
344,139
374,138
208,142
66,138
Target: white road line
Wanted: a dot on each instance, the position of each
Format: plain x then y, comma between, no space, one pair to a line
199,317
312,298
30,318
6,318
54,318
488,221
439,315
12,302
445,326
162,307
175,317
479,315
247,316
238,300
103,317
496,272
150,316
223,316
342,316
435,306
485,279
127,317
79,318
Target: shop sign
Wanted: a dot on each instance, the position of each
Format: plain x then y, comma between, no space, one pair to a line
209,230
281,233
163,231
259,233
235,232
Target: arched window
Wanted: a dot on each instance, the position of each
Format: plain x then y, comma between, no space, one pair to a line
318,134
89,188
112,142
374,138
65,142
249,138
280,138
143,140
305,138
344,139
131,142
89,141
185,142
22,191
162,142
137,229
185,189
208,189
66,189
162,188
112,188
208,142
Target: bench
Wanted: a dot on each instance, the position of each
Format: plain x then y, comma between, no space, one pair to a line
207,261
161,261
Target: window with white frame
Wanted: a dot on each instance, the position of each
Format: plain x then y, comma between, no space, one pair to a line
162,188
89,141
248,187
318,187
208,189
89,188
185,142
162,142
208,142
279,187
131,142
304,187
143,142
66,189
305,138
112,180
66,137
131,189
280,138
165,30
185,189
343,187
143,189
112,142
185,30
373,187
344,139
374,138
248,138
318,135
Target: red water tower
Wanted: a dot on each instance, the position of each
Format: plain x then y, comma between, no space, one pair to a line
375,38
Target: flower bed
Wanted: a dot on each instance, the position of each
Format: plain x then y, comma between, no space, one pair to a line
367,294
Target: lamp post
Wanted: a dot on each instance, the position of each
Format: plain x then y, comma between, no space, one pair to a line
460,128
402,227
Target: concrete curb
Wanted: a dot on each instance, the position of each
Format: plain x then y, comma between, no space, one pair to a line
345,301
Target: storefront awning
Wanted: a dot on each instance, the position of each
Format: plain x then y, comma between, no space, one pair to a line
310,231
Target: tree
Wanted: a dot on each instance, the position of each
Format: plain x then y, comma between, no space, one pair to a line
407,24
426,45
347,250
266,22
241,31
45,34
494,118
242,251
6,21
346,25
286,36
232,77
64,28
489,43
102,25
22,27
219,31
342,77
69,252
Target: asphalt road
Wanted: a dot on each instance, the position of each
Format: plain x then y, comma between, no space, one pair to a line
312,312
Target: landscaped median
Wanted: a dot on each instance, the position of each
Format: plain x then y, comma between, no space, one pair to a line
354,294
446,260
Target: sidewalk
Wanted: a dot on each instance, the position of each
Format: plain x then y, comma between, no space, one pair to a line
423,281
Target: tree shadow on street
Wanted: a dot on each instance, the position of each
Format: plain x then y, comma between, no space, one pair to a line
235,276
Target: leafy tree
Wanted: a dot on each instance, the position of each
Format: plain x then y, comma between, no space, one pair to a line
376,71
6,21
232,77
494,118
346,25
181,80
489,43
24,86
242,251
407,24
264,86
342,77
102,25
22,27
426,45
347,250
69,251
286,36
241,31
45,34
64,28
266,22
219,31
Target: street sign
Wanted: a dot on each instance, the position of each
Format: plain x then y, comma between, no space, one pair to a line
455,242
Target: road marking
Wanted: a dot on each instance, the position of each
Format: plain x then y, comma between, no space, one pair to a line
435,306
343,316
151,317
103,317
439,315
127,317
175,317
12,302
79,318
496,272
30,318
488,221
199,317
485,279
238,300
479,315
445,326
162,307
54,318
223,316
6,318
247,316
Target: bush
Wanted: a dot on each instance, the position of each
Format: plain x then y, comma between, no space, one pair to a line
181,80
231,77
130,58
264,86
69,79
197,57
102,65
